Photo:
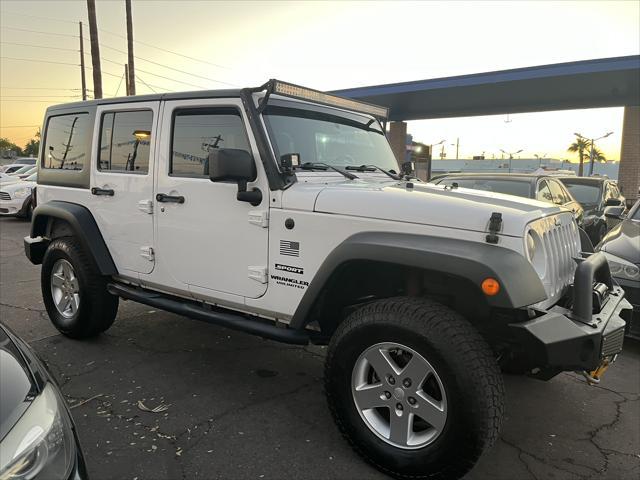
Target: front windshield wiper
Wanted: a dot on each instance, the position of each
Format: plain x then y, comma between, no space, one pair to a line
372,168
325,166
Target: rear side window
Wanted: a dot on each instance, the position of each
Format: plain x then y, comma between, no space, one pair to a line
557,193
544,194
66,142
197,132
124,141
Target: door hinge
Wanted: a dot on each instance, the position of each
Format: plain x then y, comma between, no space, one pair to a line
258,274
259,217
145,206
147,253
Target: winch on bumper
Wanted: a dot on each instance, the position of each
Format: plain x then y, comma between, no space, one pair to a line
584,332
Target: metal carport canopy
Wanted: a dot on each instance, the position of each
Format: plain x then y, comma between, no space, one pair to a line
606,82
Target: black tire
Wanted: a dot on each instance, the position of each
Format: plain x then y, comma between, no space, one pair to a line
97,307
463,361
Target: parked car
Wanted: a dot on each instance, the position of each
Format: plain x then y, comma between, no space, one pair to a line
274,211
16,198
621,246
594,194
540,187
28,173
22,170
17,163
38,439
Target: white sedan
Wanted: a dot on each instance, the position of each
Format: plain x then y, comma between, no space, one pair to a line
15,197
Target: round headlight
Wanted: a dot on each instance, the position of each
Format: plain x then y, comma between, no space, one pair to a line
531,246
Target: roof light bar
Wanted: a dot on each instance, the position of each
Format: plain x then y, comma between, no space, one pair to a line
294,91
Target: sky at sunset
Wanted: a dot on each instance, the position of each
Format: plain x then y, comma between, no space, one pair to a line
324,45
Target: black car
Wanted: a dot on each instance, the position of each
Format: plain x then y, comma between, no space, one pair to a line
38,439
594,194
621,246
540,187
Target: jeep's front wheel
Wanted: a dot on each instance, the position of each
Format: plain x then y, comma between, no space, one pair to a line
74,293
414,388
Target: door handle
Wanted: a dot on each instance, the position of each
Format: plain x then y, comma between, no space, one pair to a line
102,191
163,197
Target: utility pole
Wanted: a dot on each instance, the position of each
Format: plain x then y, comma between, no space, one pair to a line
132,74
127,87
457,148
95,49
84,80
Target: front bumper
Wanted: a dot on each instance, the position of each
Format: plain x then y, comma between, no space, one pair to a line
14,207
580,337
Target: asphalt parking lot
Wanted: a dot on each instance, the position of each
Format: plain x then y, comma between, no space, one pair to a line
237,406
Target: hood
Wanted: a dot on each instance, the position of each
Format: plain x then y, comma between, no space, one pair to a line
623,241
425,204
16,384
13,186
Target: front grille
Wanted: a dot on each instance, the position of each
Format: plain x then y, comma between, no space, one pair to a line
5,196
612,342
561,244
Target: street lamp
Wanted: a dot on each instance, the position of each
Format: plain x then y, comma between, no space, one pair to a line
511,154
540,158
431,157
592,141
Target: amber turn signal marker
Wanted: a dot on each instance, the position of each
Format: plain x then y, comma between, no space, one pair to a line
490,287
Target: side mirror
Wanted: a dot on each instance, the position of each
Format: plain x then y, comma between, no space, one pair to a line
232,164
612,202
615,212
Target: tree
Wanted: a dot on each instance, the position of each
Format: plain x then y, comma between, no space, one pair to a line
580,146
31,148
6,146
598,156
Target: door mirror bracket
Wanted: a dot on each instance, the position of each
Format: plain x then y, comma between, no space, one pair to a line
232,164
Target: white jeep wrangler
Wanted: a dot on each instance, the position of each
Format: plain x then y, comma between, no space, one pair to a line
279,211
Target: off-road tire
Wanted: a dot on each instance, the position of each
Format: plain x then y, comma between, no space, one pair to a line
97,308
465,364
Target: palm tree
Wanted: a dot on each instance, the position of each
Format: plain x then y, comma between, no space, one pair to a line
598,156
580,145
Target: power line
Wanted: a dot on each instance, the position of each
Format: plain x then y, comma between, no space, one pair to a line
146,84
5,12
172,80
39,31
167,51
37,88
39,61
37,96
119,84
39,46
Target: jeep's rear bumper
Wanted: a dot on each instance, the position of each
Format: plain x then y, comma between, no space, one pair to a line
580,338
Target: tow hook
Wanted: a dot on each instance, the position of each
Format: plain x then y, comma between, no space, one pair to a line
593,378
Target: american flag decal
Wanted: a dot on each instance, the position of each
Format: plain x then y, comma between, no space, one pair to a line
287,247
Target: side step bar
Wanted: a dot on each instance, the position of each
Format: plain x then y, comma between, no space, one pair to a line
233,320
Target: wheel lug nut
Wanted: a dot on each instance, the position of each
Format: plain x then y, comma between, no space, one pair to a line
399,406
411,400
391,380
406,382
387,395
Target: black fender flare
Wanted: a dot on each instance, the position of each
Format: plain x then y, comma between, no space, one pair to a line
84,228
520,285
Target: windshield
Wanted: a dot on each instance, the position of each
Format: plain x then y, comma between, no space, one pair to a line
32,178
510,187
334,139
585,194
24,169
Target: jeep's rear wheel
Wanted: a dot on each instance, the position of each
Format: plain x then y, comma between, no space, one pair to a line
414,388
74,293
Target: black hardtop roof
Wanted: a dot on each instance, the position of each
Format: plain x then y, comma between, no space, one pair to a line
586,180
226,93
